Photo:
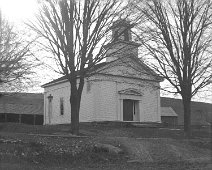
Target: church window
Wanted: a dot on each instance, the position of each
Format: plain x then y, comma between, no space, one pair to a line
61,106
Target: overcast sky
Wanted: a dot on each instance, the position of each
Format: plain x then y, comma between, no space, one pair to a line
20,11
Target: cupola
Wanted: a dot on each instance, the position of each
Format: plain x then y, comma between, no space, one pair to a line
121,30
121,44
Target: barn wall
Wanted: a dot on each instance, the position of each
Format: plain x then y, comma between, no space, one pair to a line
170,121
22,118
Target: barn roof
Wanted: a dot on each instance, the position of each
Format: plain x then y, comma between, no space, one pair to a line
21,103
168,111
30,109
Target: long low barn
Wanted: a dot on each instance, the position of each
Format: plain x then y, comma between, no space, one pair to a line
21,108
201,113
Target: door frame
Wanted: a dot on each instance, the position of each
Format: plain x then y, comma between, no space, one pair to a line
136,110
138,99
131,94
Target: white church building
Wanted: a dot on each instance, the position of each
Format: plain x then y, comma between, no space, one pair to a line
122,89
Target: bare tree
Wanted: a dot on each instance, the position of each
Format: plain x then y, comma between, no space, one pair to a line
15,57
177,35
76,32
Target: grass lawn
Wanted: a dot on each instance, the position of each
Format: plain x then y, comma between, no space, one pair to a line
52,147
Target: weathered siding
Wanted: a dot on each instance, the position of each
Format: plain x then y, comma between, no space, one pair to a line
63,90
101,99
87,102
149,101
105,100
151,106
58,91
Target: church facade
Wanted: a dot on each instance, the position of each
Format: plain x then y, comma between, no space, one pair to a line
122,89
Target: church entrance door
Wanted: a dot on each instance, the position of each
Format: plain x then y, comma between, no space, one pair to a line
128,109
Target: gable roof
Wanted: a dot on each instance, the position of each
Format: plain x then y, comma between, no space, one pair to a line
58,80
168,111
101,66
64,79
14,108
147,68
130,67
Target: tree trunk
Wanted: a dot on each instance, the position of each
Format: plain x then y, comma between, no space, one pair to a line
74,115
74,101
187,116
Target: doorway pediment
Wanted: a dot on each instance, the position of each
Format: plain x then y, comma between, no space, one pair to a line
131,91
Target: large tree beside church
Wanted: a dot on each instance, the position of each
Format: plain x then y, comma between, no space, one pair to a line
76,32
177,35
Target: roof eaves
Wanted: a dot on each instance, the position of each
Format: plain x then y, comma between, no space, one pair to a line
152,72
64,79
122,41
54,82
